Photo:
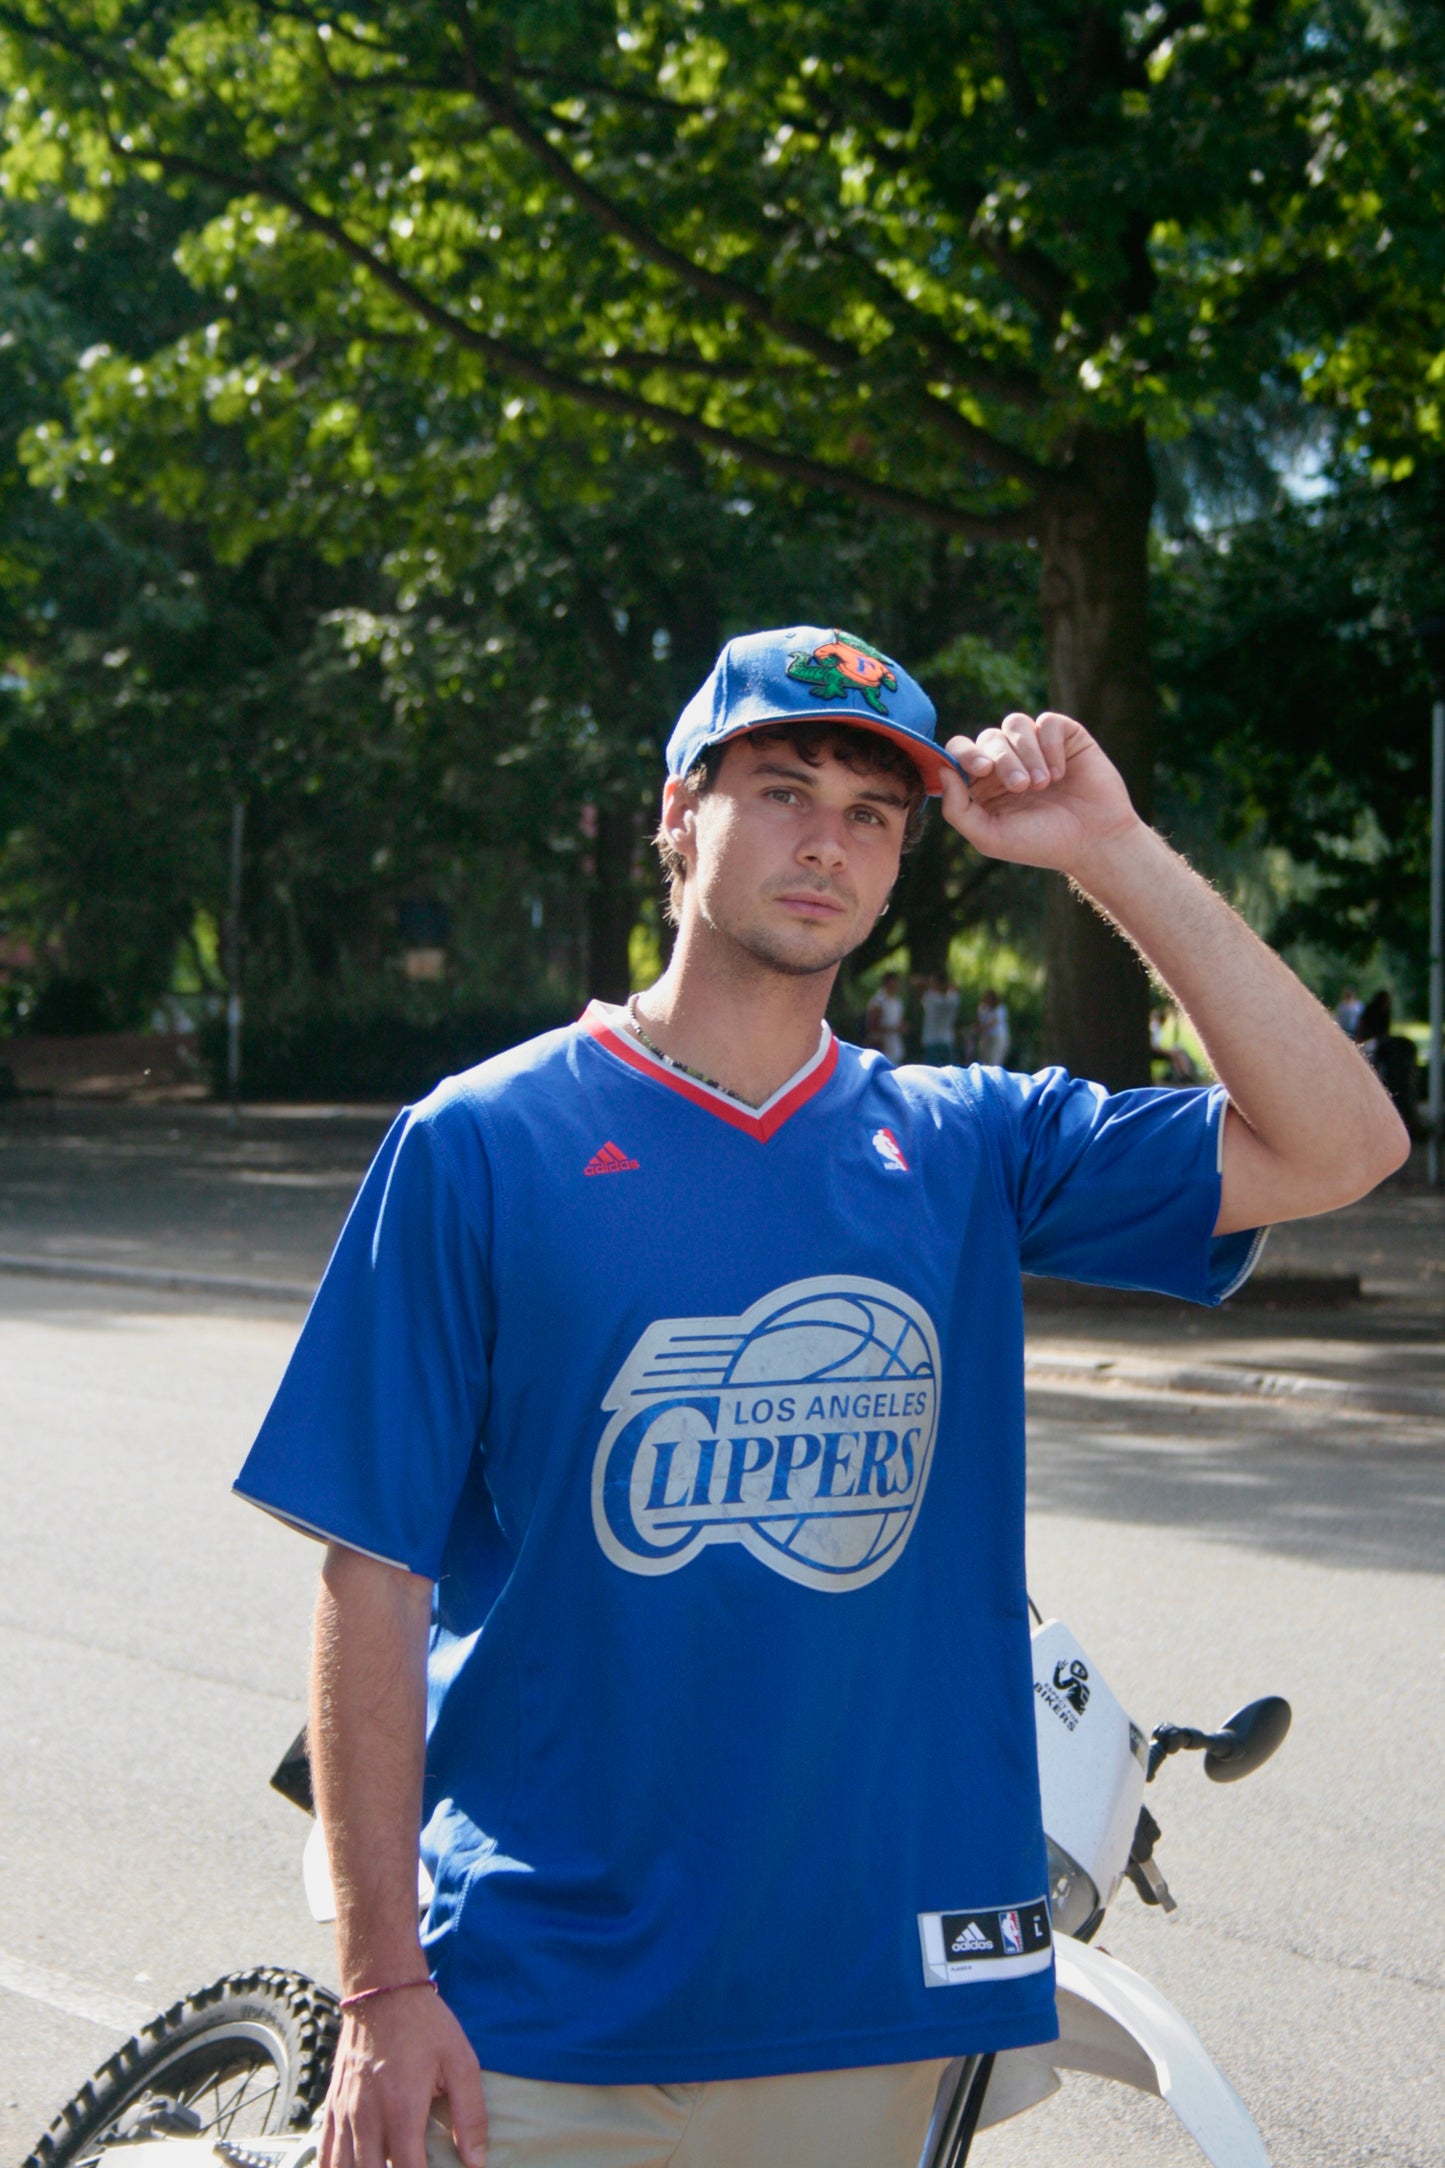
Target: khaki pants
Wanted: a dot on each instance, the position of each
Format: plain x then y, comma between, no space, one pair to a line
871,2118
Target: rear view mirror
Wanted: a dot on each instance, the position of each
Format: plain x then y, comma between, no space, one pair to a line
1246,1742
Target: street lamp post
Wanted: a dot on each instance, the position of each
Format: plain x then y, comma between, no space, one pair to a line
1431,634
233,964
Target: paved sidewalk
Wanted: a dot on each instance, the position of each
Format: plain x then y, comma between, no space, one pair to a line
1381,1351
173,1198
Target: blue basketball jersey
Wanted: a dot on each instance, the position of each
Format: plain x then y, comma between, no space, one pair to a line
708,1424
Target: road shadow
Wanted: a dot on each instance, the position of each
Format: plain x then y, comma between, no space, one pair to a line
1338,1491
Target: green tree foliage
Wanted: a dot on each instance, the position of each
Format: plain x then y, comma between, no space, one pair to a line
954,265
1298,705
473,713
582,327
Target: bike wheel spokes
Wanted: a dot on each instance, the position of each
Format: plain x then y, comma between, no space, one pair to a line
237,2102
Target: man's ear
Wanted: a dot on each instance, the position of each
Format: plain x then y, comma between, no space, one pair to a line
679,818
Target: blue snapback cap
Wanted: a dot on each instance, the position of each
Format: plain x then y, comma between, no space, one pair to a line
808,673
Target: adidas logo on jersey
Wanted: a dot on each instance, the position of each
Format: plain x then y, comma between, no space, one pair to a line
610,1161
970,1941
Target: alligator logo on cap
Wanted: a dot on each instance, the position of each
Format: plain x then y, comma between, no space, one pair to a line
842,665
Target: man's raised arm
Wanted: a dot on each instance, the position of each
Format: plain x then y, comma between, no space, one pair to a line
1309,1126
400,2049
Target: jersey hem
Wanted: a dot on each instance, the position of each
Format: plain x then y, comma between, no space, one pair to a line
847,2051
323,1535
1246,1270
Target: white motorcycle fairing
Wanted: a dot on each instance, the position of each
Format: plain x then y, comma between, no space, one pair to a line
1114,2024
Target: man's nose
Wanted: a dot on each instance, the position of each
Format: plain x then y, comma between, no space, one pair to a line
824,841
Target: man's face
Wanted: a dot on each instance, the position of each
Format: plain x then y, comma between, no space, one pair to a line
790,862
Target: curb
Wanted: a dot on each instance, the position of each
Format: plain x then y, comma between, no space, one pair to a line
1085,1373
1213,1380
1265,1289
158,1277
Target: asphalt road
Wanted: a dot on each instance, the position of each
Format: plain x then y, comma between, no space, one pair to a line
153,1636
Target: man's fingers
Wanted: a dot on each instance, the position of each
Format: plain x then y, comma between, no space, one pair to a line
356,2141
1052,730
404,2143
969,755
467,2101
1002,745
1022,733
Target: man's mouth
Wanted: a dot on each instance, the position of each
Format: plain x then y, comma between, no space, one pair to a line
812,903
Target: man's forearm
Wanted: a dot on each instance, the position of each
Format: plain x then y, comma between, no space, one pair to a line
1320,1130
397,2052
367,1736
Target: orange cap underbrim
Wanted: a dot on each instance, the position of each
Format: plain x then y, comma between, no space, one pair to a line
928,758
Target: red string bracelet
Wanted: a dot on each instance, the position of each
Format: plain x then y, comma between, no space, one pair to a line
365,1994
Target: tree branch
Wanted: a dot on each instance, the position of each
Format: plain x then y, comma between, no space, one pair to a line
613,219
980,444
1009,383
527,367
695,364
987,450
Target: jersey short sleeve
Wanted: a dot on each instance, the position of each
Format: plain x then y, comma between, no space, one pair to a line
369,1439
1119,1188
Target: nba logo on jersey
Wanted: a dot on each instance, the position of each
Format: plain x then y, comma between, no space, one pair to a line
803,1430
890,1151
1012,1933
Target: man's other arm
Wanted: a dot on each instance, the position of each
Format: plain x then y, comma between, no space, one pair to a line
367,1729
1309,1126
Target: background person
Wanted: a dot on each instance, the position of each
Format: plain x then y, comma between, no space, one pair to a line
565,1409
940,1019
1348,1010
1392,1056
991,1030
883,1018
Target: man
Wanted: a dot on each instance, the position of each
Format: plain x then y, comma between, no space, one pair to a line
883,1018
991,1038
940,1020
669,1373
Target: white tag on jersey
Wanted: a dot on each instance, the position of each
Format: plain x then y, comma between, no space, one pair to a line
963,1946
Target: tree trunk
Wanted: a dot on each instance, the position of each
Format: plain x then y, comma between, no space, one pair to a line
1094,598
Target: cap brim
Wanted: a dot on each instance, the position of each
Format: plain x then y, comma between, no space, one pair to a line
931,761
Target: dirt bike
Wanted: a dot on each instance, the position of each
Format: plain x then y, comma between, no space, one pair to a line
237,2073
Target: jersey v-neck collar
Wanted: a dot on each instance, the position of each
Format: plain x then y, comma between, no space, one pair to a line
604,1024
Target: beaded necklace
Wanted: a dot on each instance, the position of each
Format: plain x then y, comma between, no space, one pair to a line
681,1066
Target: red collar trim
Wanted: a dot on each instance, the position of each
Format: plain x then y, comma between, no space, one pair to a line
760,1122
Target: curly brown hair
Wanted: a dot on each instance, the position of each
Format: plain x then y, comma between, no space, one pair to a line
865,752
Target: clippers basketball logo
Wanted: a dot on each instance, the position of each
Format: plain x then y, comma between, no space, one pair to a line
803,1430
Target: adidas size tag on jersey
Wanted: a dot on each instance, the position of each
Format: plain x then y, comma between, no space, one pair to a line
960,1946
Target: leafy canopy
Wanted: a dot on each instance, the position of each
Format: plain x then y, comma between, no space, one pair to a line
905,252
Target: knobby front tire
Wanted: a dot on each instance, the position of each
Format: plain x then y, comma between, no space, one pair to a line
248,2056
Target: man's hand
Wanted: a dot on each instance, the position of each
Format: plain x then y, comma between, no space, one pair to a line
395,2056
1039,792
1308,1125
